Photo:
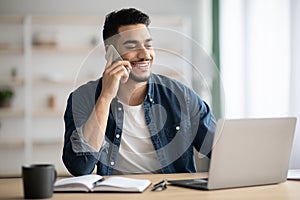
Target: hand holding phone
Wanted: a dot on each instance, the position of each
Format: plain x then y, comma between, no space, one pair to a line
112,50
116,57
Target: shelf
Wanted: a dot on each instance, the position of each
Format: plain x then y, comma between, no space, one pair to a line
11,81
48,112
11,19
11,143
75,20
50,81
10,49
58,50
43,142
11,112
68,83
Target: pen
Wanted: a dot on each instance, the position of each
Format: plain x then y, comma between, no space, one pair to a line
99,181
160,186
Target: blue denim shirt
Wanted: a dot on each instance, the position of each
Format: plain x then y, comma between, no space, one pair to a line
176,117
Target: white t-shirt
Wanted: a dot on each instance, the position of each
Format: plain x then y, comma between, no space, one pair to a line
136,153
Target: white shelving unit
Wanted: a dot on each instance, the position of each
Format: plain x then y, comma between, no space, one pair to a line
12,123
53,55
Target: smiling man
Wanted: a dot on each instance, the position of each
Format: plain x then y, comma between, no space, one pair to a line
146,123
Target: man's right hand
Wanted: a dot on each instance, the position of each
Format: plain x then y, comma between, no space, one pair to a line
112,76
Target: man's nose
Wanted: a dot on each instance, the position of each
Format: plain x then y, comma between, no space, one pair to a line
143,53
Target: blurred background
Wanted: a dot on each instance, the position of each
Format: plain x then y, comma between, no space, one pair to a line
239,55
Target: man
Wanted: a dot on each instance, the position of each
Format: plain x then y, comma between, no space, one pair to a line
131,120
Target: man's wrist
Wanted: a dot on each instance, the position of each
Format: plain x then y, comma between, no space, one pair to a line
104,100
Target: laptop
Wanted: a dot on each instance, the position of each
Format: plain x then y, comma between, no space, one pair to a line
247,152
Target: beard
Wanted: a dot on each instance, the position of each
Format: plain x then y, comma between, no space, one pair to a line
138,79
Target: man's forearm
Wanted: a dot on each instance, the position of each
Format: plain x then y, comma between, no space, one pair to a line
94,128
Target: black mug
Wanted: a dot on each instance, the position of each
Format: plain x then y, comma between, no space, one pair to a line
38,180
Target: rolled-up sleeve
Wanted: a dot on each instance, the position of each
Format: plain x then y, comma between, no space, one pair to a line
78,156
81,146
79,143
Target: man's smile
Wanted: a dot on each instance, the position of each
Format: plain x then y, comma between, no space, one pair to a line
144,65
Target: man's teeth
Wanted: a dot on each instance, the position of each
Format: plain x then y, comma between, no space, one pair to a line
141,65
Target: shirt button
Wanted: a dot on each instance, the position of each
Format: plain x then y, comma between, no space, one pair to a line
112,163
119,108
118,136
177,128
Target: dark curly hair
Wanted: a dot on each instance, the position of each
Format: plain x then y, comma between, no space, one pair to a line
126,16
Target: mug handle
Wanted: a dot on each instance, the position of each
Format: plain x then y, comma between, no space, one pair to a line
54,176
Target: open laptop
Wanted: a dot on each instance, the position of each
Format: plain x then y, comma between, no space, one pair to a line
247,152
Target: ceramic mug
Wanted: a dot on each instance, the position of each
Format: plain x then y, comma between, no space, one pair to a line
38,180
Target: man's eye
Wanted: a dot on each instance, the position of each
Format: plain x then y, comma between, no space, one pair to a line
149,46
130,47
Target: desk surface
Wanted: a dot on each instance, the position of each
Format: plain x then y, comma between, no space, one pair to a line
12,188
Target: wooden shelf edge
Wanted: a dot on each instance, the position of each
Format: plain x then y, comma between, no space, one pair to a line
11,50
46,81
68,19
11,144
11,112
11,19
48,112
11,81
44,142
70,50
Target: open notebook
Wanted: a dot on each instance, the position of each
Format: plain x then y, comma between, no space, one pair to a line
96,183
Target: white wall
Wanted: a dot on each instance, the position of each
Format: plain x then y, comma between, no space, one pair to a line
295,81
99,7
259,61
255,57
95,7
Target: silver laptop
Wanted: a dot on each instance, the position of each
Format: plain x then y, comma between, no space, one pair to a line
247,152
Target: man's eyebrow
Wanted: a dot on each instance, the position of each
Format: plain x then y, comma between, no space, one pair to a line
148,40
135,41
130,42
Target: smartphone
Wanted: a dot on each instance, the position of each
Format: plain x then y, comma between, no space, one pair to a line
112,50
116,56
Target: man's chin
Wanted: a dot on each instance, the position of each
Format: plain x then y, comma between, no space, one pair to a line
139,79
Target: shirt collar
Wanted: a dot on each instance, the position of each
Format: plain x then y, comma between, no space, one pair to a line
150,90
